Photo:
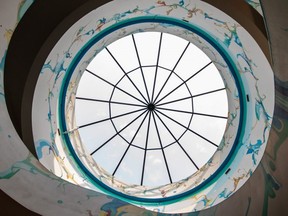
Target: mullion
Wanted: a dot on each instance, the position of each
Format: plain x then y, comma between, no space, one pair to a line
171,72
185,98
177,141
126,74
147,66
184,82
105,101
156,70
118,132
145,84
208,115
188,128
110,118
145,151
173,110
115,86
133,70
137,147
163,153
173,101
209,92
203,114
130,144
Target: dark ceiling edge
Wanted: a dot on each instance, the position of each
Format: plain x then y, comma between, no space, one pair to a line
30,45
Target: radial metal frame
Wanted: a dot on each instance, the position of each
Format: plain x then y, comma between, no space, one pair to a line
150,108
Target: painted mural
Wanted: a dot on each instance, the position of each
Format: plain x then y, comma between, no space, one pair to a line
59,179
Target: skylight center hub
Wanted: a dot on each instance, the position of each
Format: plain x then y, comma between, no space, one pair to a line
151,107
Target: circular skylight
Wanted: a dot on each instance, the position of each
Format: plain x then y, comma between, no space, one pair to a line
151,109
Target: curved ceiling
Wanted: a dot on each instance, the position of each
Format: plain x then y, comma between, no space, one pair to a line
19,101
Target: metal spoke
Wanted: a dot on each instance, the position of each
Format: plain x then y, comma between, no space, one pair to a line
145,84
173,110
177,141
184,82
208,115
187,128
209,92
163,153
106,101
171,72
110,118
182,111
130,144
173,101
189,97
146,144
156,70
117,133
147,66
133,70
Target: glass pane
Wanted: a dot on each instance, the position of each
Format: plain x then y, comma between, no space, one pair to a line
137,78
109,156
128,59
174,46
147,44
182,105
92,87
208,79
149,74
130,169
153,138
198,149
127,85
209,127
177,92
155,172
192,61
214,104
165,135
168,87
90,111
130,131
175,128
141,136
95,135
128,123
126,97
180,165
162,76
104,66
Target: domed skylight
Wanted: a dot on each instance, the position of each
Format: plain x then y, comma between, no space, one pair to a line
151,109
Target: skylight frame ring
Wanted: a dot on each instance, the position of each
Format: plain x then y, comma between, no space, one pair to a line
168,200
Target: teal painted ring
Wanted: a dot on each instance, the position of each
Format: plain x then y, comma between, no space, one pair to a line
242,120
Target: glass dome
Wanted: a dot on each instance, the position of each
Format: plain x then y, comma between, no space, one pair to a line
151,109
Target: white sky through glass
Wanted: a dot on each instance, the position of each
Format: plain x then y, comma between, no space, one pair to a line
151,109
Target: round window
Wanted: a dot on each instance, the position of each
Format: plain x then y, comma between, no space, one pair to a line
151,109
152,114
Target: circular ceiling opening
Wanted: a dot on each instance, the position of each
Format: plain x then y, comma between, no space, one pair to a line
137,118
151,109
